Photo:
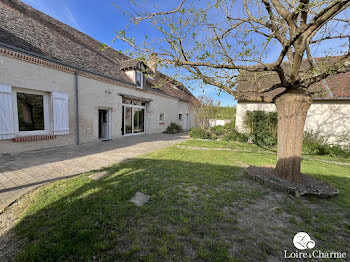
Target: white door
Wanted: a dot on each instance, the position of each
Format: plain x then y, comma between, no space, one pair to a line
185,122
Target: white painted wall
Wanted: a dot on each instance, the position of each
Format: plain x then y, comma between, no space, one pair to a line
218,122
330,119
93,95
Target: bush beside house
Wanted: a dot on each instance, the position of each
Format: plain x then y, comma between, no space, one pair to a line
262,128
173,128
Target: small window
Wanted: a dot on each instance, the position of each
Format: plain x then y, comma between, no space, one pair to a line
127,101
30,112
180,116
161,117
139,79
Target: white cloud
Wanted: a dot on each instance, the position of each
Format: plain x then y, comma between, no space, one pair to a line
59,11
72,20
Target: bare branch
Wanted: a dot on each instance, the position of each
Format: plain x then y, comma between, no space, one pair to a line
150,16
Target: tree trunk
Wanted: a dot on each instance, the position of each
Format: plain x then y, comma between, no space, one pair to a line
292,109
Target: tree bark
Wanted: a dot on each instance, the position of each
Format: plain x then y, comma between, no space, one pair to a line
292,108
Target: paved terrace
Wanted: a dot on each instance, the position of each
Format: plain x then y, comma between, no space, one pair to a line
19,173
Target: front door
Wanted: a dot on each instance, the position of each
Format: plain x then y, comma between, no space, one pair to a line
103,124
185,122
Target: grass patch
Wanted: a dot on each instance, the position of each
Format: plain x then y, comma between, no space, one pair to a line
203,207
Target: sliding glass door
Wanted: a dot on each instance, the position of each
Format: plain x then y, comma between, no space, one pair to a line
133,118
139,120
128,120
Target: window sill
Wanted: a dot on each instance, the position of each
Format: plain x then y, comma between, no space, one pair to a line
33,138
162,123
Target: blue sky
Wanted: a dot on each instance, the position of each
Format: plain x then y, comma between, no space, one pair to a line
100,19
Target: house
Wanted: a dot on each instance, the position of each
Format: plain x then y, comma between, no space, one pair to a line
59,88
328,116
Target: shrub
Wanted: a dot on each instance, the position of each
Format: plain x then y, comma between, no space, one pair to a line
173,128
234,135
262,127
218,130
201,133
317,145
229,127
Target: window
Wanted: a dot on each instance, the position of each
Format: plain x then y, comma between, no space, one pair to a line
30,109
180,116
133,117
139,103
161,117
32,112
139,79
126,101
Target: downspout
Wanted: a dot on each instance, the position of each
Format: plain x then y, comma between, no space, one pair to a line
77,104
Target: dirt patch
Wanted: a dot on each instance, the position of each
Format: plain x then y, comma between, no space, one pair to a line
308,185
10,244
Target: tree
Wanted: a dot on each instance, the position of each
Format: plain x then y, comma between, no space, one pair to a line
221,40
204,110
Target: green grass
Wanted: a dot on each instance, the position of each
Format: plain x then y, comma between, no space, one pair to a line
203,207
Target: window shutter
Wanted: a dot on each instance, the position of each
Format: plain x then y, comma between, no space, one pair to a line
60,114
144,81
7,130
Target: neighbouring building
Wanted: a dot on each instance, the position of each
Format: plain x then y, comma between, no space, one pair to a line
59,88
328,116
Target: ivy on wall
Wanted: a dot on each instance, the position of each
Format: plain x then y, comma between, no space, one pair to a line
262,127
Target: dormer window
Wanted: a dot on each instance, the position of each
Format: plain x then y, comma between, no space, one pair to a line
139,79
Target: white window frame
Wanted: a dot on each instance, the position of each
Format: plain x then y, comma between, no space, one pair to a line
47,113
132,106
178,116
163,120
139,72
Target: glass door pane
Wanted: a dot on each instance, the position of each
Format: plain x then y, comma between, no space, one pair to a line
128,120
139,116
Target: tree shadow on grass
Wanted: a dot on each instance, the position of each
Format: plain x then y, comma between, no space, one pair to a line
193,214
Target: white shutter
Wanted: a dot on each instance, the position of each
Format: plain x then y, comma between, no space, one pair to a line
7,130
60,114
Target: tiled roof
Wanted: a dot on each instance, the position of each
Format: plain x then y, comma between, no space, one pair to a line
164,84
250,85
131,63
26,28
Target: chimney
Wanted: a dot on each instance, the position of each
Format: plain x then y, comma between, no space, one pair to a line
152,62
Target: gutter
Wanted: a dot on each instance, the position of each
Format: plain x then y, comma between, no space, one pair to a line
76,73
313,99
331,98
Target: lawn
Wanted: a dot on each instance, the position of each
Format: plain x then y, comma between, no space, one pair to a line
203,207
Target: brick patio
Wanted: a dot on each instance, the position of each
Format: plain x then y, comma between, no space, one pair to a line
20,173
